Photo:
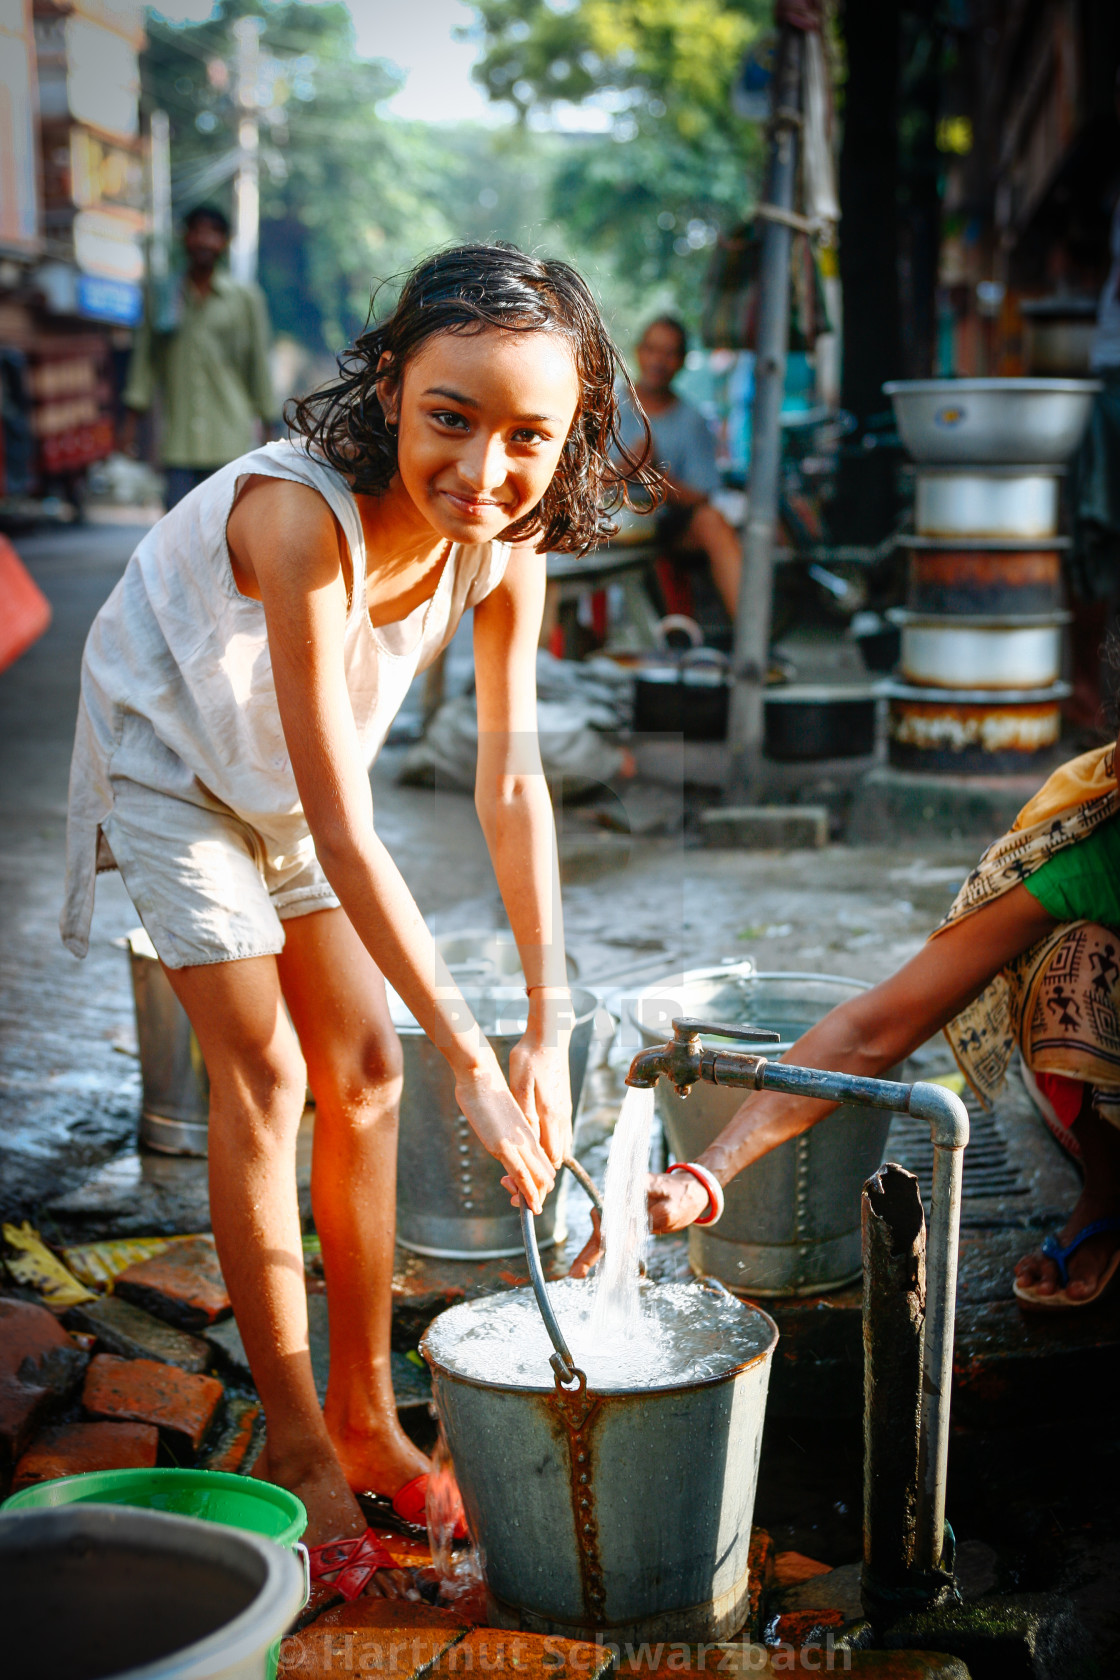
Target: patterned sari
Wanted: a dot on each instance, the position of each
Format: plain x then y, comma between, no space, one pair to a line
1059,1001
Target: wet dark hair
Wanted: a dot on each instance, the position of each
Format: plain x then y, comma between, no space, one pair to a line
466,290
208,213
676,326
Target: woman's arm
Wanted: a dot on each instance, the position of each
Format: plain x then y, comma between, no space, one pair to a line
870,1033
287,542
515,811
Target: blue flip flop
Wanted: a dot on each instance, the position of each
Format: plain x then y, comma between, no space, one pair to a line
1060,1300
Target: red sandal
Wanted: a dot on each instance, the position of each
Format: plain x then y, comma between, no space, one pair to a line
407,1510
356,1560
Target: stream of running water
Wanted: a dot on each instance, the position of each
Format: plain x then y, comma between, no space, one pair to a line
617,1309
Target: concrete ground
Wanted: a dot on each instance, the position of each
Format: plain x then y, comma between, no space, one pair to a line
641,902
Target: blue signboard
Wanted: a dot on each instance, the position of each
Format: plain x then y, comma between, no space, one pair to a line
119,301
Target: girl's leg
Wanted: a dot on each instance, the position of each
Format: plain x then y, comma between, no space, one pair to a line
337,999
257,1085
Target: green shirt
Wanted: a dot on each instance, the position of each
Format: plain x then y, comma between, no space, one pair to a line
1082,882
211,372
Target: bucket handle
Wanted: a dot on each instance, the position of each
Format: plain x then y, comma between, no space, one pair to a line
565,1369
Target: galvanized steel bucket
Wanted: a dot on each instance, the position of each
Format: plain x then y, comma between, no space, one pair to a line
450,1202
791,1224
625,1514
175,1114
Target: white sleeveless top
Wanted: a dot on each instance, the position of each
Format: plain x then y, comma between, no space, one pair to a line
177,686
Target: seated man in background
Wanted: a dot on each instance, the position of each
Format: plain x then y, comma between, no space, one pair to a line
684,450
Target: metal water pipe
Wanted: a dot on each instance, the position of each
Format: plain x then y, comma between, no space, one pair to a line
685,1059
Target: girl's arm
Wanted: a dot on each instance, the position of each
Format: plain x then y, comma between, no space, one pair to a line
287,540
870,1033
515,811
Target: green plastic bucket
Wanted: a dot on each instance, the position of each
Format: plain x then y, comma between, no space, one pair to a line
211,1495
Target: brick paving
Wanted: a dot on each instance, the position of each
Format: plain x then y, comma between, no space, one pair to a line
75,1449
143,1391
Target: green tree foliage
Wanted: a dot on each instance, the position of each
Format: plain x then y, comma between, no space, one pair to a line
346,195
675,163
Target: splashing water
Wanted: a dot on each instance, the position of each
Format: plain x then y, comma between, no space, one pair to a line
686,1334
625,1225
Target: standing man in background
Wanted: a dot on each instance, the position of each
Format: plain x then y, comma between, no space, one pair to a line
204,348
684,450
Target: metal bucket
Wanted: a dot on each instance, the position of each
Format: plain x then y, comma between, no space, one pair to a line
626,1514
450,1203
101,1592
791,1223
176,1087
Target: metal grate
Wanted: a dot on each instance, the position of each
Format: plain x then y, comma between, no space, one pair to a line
988,1167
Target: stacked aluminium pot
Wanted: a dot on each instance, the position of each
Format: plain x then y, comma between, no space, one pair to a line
979,687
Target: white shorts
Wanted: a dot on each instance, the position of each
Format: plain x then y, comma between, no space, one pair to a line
206,885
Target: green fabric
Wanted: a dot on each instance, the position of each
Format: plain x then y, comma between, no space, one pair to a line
211,373
1082,882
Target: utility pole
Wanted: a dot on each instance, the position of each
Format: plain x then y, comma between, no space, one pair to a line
246,186
752,619
159,165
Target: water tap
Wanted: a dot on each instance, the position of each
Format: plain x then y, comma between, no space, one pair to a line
685,1059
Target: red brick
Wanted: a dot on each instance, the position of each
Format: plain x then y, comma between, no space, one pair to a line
183,1285
39,1365
524,1656
71,1449
799,1627
393,1638
790,1567
146,1392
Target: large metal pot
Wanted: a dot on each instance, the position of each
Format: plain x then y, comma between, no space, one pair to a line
804,721
971,732
624,1514
971,577
108,1592
980,652
991,420
791,1224
687,694
986,502
450,1202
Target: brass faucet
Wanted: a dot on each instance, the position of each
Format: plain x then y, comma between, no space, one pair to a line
685,1059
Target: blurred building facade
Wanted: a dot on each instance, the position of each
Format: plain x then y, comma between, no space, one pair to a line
72,226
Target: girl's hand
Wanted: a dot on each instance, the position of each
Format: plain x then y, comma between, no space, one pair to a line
674,1200
503,1129
538,1079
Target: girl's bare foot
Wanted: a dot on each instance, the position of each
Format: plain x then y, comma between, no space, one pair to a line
332,1513
378,1460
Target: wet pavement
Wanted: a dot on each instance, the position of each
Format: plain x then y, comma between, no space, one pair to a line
1033,1443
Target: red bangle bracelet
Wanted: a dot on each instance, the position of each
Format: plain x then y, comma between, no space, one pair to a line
711,1184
